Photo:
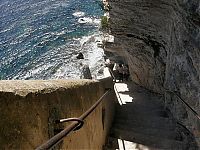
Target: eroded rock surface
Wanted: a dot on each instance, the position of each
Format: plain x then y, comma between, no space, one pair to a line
160,40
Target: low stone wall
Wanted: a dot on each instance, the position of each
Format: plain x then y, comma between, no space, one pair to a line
28,111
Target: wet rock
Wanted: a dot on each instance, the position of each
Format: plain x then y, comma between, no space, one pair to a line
80,56
86,74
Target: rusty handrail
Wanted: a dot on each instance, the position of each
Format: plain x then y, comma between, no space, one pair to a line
186,104
115,88
59,137
112,75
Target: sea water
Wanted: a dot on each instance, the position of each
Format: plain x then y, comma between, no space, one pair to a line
40,39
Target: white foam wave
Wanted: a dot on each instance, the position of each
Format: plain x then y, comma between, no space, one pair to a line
96,21
5,30
78,14
87,39
87,20
92,53
60,33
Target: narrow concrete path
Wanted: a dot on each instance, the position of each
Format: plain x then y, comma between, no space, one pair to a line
141,122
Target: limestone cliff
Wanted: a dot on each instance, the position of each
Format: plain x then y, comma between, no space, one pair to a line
160,40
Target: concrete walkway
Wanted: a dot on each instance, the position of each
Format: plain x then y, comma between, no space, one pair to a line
141,122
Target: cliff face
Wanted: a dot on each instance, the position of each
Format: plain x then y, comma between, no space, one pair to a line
160,40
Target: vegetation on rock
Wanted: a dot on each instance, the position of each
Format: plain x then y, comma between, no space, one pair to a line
104,22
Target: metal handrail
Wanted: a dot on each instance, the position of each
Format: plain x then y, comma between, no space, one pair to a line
73,126
186,104
115,88
111,73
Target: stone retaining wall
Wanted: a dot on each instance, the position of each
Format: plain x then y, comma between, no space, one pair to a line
28,110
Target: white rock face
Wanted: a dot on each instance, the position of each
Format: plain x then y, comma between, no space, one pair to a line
160,40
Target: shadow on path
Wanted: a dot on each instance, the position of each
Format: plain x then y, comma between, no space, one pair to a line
142,123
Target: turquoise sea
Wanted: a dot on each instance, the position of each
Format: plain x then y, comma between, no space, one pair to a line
39,39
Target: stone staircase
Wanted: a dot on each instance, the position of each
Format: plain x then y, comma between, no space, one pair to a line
143,124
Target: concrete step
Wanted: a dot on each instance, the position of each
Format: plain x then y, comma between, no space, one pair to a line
140,111
162,133
159,113
142,118
142,105
119,144
148,140
149,109
146,101
165,124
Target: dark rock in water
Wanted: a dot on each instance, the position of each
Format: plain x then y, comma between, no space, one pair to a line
85,73
80,56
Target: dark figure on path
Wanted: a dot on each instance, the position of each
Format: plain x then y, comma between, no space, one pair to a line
126,73
120,72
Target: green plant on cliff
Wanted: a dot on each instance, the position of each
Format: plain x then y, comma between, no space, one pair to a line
104,22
